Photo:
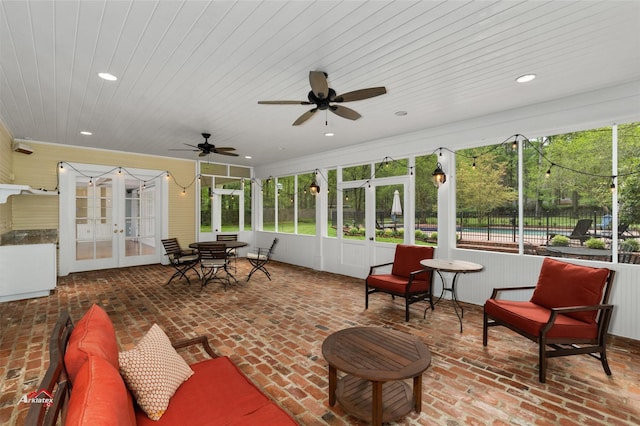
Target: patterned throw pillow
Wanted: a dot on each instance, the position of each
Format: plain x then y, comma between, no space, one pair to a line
153,371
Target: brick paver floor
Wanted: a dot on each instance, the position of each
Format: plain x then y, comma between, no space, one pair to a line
274,331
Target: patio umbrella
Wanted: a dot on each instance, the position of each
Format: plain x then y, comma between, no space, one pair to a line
396,207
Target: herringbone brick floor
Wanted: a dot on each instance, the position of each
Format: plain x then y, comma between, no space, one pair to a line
274,331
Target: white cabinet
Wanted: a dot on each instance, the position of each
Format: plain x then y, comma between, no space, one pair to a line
26,271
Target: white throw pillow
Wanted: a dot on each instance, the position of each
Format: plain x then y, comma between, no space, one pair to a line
153,371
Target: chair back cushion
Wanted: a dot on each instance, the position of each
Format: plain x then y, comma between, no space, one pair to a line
563,284
407,259
93,335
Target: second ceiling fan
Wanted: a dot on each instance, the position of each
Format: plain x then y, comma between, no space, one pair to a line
206,148
323,97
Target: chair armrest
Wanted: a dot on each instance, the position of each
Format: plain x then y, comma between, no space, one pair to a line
498,290
372,268
569,309
184,343
188,252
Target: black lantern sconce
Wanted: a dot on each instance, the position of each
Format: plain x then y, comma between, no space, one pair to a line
439,177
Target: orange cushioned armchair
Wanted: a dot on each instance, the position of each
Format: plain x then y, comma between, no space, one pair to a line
568,313
407,279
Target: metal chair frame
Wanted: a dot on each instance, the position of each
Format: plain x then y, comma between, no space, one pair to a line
260,258
181,260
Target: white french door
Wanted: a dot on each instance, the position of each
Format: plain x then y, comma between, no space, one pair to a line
370,230
110,218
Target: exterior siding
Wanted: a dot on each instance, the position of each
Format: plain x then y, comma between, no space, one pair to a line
39,170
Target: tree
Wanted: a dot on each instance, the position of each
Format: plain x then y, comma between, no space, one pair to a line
482,189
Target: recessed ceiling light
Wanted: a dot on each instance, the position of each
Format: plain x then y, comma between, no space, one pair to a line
248,157
525,78
401,113
107,76
329,134
84,132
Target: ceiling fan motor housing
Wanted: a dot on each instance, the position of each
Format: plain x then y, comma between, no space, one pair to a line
321,103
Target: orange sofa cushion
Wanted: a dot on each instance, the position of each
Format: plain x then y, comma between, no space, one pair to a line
93,335
530,318
407,259
218,393
99,396
563,284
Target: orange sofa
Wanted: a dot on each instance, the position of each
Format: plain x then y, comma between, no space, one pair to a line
87,388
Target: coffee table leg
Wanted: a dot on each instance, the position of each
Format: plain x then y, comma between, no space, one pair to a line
333,381
417,393
376,404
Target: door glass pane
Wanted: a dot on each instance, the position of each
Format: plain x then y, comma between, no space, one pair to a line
389,214
94,218
353,206
205,203
139,226
230,212
230,203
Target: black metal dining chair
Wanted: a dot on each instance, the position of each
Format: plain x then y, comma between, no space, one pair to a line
181,260
260,258
214,263
232,253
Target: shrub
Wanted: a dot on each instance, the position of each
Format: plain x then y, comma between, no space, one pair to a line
595,243
354,231
559,240
630,245
433,236
420,235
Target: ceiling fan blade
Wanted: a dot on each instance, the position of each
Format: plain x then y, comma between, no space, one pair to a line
358,95
176,149
203,153
304,117
284,103
344,112
233,154
224,148
319,84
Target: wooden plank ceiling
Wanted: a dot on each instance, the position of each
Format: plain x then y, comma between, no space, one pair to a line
185,67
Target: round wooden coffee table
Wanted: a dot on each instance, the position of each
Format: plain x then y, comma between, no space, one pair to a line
372,356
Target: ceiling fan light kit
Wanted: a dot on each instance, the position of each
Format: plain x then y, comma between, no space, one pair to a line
324,98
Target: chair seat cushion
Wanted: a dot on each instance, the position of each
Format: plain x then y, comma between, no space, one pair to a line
530,318
255,256
213,263
188,259
218,392
396,284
